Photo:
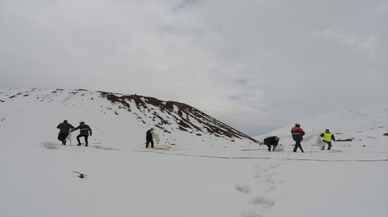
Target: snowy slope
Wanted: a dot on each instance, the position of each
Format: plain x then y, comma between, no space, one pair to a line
116,119
204,175
349,181
362,132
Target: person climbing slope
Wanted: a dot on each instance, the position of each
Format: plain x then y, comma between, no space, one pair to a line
64,131
85,131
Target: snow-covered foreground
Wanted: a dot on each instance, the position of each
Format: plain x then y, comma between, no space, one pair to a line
199,176
38,180
41,182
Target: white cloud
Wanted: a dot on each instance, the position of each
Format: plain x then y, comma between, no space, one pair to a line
254,63
382,8
365,44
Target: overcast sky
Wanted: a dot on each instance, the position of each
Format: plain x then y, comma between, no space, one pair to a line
255,64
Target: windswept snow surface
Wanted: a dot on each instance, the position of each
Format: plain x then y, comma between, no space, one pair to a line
199,176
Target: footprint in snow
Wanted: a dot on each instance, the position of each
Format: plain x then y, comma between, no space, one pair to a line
250,214
274,166
262,201
270,189
50,145
245,189
105,148
270,181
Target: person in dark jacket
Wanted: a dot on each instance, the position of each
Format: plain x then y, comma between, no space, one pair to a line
64,131
85,131
271,142
149,138
297,135
327,137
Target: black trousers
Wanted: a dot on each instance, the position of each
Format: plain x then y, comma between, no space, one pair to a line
150,141
62,137
298,145
329,145
273,147
86,139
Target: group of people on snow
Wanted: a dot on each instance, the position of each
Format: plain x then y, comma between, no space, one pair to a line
65,128
297,134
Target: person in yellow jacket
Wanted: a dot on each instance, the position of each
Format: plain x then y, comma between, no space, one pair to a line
327,137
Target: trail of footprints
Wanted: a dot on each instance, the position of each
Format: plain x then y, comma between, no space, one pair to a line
259,192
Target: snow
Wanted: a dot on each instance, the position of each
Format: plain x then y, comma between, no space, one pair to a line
199,176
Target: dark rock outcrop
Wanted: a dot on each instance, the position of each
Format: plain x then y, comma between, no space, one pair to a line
188,118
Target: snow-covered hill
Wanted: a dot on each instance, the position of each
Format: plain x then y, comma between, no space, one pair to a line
212,170
116,119
360,134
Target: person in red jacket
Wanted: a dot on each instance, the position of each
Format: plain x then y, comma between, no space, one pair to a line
297,135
